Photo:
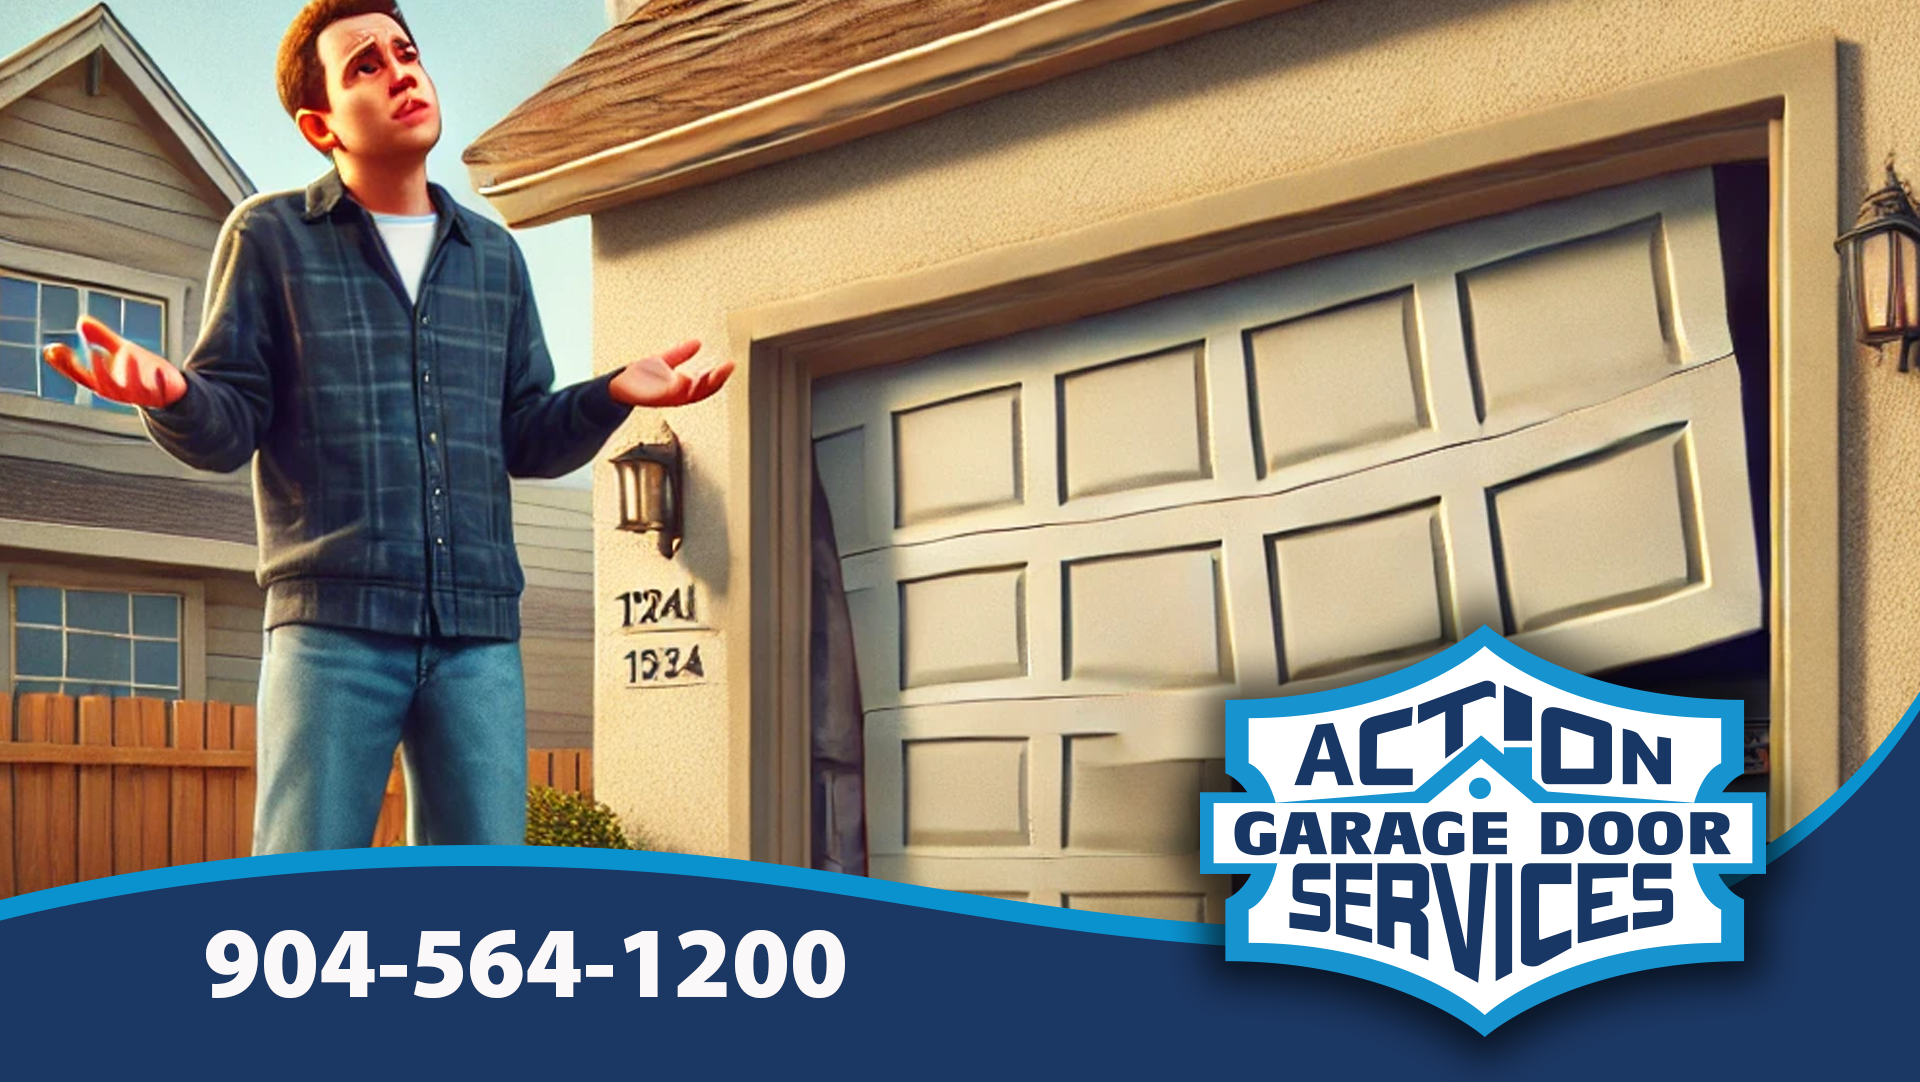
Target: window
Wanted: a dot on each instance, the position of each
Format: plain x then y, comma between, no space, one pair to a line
35,314
96,642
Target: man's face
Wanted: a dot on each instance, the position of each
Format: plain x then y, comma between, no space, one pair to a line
380,102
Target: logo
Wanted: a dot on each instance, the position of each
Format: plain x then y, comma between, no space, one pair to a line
1484,830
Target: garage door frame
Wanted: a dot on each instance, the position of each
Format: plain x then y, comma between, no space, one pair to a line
1780,105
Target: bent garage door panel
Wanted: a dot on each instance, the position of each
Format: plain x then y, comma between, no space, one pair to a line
1062,550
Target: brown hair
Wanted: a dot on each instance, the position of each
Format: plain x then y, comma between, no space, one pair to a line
302,78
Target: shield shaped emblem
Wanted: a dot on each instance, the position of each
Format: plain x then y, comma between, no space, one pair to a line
1484,830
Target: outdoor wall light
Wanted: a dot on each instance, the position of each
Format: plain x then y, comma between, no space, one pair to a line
652,487
1881,259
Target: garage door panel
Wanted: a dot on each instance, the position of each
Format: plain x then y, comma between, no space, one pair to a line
1460,335
958,456
1102,883
1152,619
1336,580
1191,907
1363,591
1080,542
1609,530
964,627
966,792
1336,380
1134,424
1595,307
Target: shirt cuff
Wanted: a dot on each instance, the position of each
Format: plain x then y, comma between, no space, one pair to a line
597,404
188,412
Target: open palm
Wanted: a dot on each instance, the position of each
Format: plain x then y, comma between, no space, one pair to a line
119,370
662,381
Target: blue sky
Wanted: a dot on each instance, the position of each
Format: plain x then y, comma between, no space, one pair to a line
485,56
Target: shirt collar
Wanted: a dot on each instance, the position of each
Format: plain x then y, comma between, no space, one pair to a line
327,193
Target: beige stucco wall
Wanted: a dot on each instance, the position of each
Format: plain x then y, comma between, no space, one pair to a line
1333,80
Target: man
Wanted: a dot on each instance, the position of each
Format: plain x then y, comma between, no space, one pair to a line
374,349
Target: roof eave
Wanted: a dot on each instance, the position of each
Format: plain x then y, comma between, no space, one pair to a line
1022,50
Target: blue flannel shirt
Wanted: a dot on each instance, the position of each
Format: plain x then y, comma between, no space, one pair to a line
382,431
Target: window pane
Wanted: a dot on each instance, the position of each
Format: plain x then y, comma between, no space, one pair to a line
19,332
52,384
18,298
20,369
142,324
36,652
109,405
29,687
94,610
156,663
156,615
99,657
37,605
104,307
59,308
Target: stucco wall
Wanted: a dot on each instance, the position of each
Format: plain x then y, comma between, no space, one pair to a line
1327,82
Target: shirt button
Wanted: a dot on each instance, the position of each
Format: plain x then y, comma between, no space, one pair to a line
440,541
427,378
436,492
424,320
433,437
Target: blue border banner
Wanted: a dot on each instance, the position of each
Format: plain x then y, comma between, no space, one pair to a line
113,975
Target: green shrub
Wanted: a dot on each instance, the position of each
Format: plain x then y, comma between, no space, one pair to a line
557,818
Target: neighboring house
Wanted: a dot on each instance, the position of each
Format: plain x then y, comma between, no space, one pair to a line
1153,353
125,572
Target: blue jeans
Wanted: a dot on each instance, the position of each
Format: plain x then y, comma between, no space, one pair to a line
334,702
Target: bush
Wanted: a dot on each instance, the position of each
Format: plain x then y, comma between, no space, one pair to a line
557,818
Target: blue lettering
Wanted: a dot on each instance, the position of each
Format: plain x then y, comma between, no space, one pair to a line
1303,829
1644,893
1310,922
1535,951
1324,754
1449,845
1555,721
1409,911
1342,898
1590,900
1397,829
1371,773
1463,943
1243,834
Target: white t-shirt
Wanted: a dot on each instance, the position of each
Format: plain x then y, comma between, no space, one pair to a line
409,241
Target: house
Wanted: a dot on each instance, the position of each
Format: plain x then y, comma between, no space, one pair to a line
125,572
1151,354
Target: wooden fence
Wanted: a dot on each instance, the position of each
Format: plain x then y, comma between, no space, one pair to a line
96,786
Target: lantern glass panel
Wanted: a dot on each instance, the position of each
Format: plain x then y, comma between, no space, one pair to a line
1874,278
629,494
1907,315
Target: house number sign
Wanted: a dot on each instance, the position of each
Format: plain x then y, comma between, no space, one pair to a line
656,608
665,644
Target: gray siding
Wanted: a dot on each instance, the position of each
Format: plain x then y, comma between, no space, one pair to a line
88,175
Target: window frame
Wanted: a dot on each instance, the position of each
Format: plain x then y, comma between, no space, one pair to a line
193,612
84,273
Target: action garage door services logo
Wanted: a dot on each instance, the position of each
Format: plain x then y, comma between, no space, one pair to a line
1484,830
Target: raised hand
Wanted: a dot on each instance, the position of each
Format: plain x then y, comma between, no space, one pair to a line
660,381
119,370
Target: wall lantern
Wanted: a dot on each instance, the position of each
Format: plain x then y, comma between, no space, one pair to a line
1881,259
652,487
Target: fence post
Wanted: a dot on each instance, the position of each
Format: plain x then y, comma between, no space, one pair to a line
96,792
7,818
189,786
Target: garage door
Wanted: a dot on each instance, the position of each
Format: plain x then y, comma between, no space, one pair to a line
1064,549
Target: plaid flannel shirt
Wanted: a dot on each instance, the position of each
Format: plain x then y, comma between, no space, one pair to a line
382,431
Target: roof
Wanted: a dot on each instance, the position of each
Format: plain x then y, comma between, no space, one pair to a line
686,91
97,30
